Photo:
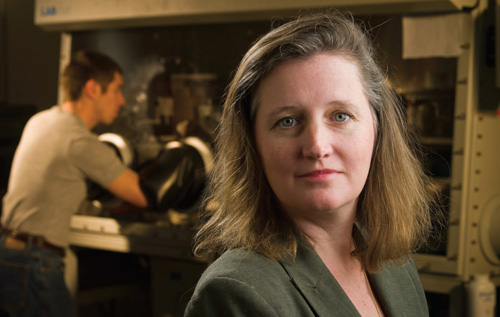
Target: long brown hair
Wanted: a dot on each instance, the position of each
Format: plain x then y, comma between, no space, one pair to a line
241,210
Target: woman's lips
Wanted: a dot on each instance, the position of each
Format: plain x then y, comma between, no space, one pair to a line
319,173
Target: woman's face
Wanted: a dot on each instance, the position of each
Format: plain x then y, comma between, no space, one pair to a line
315,134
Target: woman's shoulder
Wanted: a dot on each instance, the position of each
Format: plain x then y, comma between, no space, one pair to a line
246,283
242,265
405,267
244,271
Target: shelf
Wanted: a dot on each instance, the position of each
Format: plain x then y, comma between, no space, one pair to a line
436,141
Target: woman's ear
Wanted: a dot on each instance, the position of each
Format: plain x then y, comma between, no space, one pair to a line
91,88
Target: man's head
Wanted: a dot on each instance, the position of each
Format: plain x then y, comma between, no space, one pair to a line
98,78
86,65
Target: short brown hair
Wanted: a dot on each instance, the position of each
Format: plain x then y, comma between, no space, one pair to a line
86,65
393,210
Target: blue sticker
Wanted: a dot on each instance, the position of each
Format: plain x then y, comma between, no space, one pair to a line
47,11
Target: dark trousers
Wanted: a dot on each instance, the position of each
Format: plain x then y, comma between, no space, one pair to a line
32,282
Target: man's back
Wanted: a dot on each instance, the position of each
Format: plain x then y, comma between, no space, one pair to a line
47,183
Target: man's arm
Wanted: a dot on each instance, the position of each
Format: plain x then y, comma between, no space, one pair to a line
127,187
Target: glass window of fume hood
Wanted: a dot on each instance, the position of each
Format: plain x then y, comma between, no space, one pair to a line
150,56
427,86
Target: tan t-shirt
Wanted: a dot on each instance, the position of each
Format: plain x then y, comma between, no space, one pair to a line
47,184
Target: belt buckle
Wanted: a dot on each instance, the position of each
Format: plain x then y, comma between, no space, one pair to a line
38,242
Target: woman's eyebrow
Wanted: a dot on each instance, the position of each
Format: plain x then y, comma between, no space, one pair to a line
281,110
343,103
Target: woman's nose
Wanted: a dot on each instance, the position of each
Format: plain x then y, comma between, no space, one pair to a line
317,142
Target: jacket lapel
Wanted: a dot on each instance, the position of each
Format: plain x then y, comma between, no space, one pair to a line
393,286
317,285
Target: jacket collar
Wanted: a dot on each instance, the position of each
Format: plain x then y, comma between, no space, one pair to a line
393,286
317,285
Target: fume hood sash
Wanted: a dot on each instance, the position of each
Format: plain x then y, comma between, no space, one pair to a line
67,15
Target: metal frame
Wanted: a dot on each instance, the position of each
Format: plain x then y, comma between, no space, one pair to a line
451,263
475,195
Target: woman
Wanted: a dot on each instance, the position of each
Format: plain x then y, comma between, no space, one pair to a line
318,198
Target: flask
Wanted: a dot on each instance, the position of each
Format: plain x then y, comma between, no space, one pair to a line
482,296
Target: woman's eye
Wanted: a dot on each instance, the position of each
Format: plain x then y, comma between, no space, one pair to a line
287,122
341,117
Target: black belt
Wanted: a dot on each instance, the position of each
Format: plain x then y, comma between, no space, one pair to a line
38,241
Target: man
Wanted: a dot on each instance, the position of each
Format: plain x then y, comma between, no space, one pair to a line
56,155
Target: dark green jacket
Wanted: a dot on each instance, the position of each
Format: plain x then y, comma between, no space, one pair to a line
242,283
